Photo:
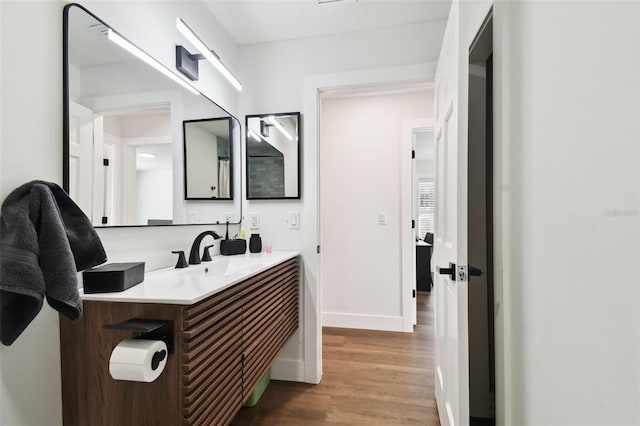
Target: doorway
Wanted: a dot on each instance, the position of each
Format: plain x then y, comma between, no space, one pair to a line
480,229
423,214
365,182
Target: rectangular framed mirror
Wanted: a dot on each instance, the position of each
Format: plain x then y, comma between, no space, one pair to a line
124,153
208,150
272,145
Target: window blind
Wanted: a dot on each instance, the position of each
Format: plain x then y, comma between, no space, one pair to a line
426,207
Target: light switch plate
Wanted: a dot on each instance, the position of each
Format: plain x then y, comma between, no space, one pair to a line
254,221
294,220
382,218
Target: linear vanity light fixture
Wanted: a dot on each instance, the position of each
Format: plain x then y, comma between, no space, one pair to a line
188,63
255,136
147,155
272,120
126,45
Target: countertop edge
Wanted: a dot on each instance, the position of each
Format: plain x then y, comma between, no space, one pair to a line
122,297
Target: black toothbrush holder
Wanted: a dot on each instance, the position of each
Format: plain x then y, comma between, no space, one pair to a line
255,243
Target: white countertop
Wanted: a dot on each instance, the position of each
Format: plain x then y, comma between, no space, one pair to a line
190,285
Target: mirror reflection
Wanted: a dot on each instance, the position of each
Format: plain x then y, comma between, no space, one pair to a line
125,159
273,156
207,153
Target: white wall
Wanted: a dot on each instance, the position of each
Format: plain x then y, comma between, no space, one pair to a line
273,73
154,204
425,155
360,175
570,187
31,148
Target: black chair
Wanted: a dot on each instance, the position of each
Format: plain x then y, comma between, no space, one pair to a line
428,238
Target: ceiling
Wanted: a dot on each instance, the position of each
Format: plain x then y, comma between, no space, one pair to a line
260,21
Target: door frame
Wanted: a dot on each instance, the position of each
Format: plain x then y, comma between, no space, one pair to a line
312,235
480,221
408,262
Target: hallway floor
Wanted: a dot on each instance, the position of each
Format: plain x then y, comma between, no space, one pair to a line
369,378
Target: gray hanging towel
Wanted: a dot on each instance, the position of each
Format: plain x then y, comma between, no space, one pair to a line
44,239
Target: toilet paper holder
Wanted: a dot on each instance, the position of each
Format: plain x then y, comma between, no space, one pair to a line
147,329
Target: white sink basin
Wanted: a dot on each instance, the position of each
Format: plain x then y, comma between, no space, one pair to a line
189,285
207,273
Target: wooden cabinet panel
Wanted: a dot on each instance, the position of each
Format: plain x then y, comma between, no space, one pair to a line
266,322
212,360
223,347
89,395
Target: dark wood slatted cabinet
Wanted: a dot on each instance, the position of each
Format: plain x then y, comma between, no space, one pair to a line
223,347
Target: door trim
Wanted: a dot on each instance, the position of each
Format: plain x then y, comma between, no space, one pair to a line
312,235
408,262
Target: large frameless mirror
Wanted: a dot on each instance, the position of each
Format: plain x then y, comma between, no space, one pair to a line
273,156
127,130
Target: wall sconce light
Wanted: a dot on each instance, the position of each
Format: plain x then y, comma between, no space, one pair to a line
264,128
271,120
187,63
134,50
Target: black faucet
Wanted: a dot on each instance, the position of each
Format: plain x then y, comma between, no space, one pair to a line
182,262
194,254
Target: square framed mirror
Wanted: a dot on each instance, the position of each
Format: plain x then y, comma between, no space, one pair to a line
272,147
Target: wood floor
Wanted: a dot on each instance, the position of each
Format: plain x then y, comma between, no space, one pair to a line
369,378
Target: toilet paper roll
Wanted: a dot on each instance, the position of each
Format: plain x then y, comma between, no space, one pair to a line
138,360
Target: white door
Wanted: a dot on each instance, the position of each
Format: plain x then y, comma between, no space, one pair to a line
81,156
451,331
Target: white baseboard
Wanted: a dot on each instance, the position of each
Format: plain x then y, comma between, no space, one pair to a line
367,322
290,370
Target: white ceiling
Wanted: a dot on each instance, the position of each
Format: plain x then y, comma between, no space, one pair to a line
259,21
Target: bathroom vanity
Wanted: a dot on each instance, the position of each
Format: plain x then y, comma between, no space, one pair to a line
231,318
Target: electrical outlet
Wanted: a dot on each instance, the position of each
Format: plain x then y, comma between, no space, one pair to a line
228,217
294,220
254,221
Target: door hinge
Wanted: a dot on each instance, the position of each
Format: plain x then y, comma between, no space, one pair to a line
413,224
105,161
413,153
414,293
318,249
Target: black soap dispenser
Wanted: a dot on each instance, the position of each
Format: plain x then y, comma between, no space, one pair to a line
255,243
